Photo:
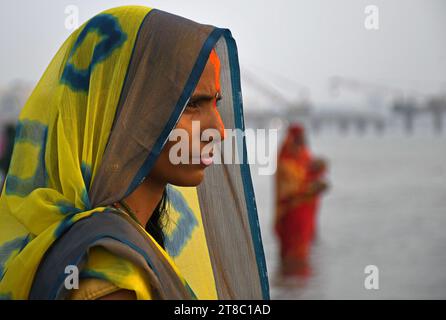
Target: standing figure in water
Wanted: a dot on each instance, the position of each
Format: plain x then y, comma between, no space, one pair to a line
299,184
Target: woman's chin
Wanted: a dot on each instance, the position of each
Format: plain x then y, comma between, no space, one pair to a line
190,178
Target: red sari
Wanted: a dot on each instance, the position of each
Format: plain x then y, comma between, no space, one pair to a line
295,211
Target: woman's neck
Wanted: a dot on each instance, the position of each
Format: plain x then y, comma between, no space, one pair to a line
145,199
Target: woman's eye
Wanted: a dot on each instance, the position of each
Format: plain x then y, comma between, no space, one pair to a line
192,104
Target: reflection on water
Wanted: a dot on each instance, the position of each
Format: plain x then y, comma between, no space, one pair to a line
386,207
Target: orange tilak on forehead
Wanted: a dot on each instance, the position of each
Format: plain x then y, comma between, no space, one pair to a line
215,61
213,58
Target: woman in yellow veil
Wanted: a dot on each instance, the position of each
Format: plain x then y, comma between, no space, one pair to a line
92,193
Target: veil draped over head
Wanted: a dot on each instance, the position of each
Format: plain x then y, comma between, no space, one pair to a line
90,133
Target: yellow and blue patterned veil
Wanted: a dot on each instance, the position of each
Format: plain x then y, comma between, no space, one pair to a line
90,133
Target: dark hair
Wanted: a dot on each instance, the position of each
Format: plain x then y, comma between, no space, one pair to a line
5,159
155,224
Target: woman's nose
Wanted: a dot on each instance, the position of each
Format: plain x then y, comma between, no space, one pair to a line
217,123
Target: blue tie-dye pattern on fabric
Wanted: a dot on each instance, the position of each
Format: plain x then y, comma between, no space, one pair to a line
175,242
8,248
35,133
106,26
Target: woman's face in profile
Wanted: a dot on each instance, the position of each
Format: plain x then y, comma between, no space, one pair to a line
202,111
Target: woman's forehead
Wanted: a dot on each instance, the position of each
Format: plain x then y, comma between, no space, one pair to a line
209,82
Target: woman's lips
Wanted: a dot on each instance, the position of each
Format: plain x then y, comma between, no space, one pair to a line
203,160
207,161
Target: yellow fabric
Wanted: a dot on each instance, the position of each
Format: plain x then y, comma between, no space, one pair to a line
93,289
199,276
106,273
62,132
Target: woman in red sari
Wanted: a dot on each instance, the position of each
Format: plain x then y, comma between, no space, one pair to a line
298,185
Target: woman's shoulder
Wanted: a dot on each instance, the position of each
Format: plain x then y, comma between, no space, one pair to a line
106,273
93,289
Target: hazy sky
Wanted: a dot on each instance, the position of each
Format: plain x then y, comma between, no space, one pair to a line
307,41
